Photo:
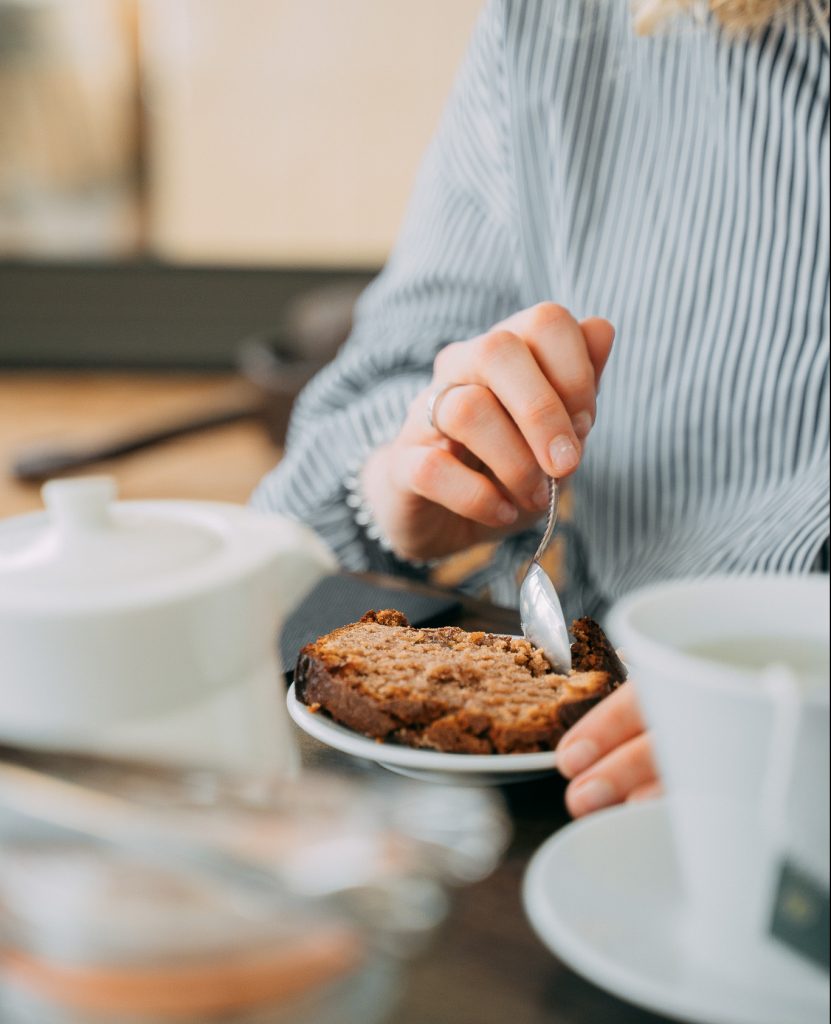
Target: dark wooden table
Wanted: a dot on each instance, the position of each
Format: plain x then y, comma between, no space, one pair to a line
485,965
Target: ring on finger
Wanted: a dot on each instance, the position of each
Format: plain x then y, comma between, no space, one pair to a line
433,404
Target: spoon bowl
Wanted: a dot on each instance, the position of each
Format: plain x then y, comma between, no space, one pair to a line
540,611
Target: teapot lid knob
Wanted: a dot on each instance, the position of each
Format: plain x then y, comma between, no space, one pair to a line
80,503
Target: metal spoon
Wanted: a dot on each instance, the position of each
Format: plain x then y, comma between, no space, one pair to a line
541,614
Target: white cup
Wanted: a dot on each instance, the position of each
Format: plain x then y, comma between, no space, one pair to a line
743,751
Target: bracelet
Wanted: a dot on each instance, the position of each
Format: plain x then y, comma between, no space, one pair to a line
361,511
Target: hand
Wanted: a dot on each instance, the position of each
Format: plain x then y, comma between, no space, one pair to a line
527,404
608,756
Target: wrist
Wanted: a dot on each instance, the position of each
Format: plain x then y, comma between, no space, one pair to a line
367,489
359,502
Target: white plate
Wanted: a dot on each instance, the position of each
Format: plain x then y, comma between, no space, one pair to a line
428,765
604,895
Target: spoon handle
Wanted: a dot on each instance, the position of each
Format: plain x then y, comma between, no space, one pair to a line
551,522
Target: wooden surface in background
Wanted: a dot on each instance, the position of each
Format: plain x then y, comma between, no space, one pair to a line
41,408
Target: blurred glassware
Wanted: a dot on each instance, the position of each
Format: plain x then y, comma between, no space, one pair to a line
349,881
68,128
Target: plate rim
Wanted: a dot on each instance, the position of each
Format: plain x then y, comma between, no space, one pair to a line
350,742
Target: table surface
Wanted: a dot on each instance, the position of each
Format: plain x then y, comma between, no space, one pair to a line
486,965
40,409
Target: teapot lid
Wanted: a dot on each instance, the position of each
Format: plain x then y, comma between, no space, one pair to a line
88,549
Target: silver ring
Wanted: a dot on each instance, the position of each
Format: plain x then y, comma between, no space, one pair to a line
432,405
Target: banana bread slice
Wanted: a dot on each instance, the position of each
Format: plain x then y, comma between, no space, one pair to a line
451,690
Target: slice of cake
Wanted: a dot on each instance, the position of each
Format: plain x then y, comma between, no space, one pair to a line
451,690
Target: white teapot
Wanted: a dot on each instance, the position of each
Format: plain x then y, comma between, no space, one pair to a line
149,629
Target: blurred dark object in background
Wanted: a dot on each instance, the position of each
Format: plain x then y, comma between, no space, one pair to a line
142,314
274,365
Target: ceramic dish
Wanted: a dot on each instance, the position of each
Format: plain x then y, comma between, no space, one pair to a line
428,765
615,918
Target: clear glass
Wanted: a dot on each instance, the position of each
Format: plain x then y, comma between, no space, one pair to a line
185,896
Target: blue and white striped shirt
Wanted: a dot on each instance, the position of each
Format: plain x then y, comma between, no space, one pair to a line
677,185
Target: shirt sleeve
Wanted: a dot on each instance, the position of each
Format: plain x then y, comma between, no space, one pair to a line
452,274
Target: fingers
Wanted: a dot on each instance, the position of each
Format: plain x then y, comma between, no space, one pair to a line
543,367
438,476
609,724
472,415
503,362
614,778
608,756
561,349
648,791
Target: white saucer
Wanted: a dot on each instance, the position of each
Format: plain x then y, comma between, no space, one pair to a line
427,765
604,895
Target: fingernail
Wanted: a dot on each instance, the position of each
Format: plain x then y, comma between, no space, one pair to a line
591,795
564,456
541,495
506,513
582,423
576,757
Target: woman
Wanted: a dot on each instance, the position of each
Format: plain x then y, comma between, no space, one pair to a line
673,184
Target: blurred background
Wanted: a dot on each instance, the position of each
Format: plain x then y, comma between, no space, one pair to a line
192,193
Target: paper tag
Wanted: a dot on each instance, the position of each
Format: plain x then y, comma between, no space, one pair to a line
801,914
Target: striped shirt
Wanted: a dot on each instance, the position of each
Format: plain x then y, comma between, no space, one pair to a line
677,185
